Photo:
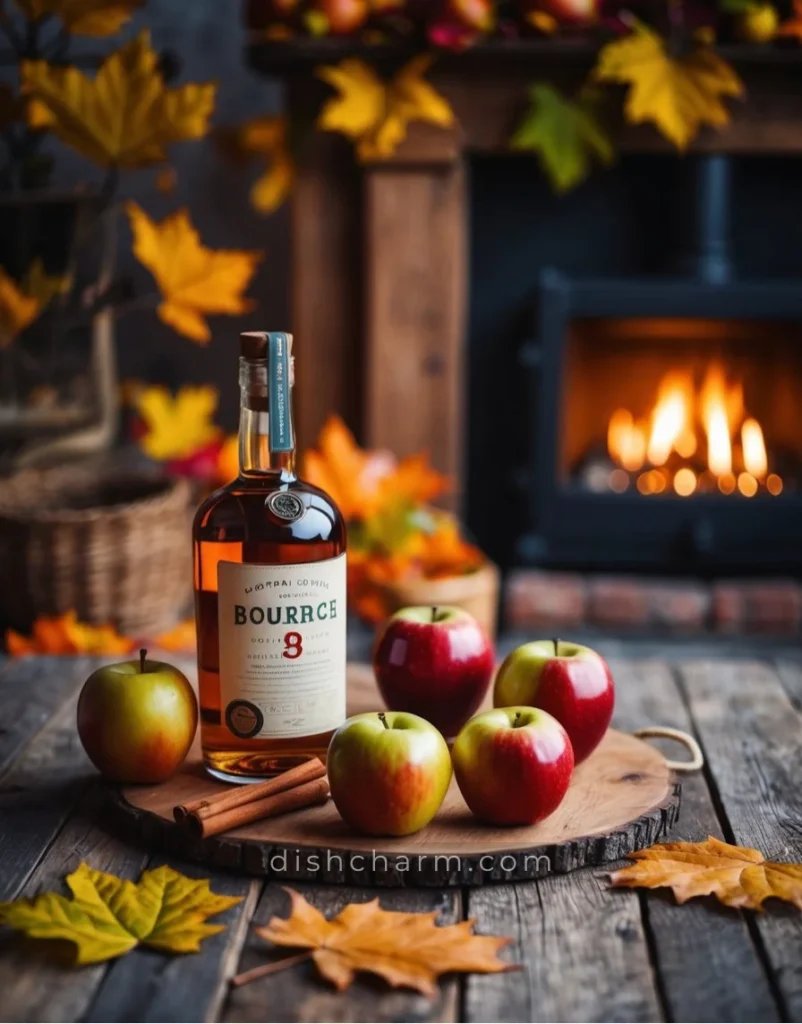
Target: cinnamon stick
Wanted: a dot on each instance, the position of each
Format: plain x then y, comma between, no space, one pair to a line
239,795
305,795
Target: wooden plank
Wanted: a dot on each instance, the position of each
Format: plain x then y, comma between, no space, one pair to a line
416,286
298,993
790,673
326,269
750,732
31,690
582,947
705,959
42,786
35,984
144,987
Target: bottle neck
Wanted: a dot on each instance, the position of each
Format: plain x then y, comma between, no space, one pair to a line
255,455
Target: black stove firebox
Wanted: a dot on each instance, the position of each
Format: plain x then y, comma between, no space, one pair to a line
663,414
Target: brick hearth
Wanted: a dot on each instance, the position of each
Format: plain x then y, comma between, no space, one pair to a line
538,599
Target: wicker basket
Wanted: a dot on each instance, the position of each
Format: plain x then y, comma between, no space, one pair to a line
110,543
476,592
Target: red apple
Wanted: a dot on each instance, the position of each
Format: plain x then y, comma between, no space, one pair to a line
457,23
137,719
571,682
388,771
434,662
513,765
567,12
343,16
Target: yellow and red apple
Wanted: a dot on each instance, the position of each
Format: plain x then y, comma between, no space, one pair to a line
388,772
137,720
572,682
513,765
434,662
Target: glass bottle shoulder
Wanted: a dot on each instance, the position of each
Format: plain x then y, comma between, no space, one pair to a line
241,511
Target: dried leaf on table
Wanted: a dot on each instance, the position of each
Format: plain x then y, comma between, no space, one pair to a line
194,281
265,137
109,916
180,639
736,875
374,113
64,634
177,426
566,134
406,949
123,117
678,94
83,17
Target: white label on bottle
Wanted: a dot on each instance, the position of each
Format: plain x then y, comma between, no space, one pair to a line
282,647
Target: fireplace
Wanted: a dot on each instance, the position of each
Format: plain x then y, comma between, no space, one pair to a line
509,401
666,412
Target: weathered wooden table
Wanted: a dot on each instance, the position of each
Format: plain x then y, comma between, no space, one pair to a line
588,953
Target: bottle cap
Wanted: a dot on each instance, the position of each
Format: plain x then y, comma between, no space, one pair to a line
254,345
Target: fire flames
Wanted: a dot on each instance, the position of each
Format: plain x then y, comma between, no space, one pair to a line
695,439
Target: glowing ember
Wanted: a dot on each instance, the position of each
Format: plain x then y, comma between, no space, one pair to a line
696,439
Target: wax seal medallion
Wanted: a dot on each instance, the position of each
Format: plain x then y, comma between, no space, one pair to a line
286,506
243,718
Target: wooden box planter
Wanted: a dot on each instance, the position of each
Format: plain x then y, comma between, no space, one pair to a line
476,592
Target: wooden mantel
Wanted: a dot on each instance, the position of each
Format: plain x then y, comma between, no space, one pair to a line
380,251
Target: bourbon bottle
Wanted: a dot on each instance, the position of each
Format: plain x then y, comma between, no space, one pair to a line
270,604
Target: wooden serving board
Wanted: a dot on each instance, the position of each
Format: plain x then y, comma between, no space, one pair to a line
621,799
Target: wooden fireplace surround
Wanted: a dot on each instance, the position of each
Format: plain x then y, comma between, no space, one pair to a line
380,251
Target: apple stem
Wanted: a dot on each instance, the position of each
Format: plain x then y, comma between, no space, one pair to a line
143,653
383,719
556,647
434,615
517,720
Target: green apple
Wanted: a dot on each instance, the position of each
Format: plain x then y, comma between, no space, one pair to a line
137,719
389,772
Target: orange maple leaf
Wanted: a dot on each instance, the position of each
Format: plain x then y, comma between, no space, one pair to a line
406,949
64,634
364,483
792,27
181,638
736,875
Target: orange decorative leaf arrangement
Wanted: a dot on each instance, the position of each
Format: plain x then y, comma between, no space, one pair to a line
735,875
393,533
406,949
64,634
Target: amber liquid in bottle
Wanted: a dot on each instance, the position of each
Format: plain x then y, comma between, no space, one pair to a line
238,524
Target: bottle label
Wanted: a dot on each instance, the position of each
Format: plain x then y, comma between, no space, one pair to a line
278,375
282,647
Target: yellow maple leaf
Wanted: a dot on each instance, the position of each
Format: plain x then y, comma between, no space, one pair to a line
193,280
678,93
17,310
736,875
406,949
177,426
110,916
83,17
264,137
41,286
126,115
375,114
64,634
